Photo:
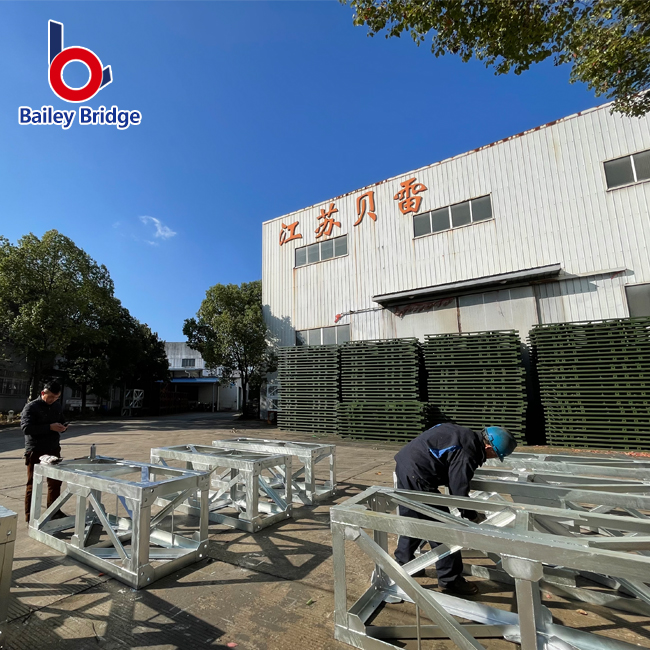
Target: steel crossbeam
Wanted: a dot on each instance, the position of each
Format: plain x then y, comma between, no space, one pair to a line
137,546
8,526
579,466
538,539
244,492
307,489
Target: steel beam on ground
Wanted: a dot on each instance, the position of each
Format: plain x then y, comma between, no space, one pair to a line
528,554
8,526
243,483
307,489
137,547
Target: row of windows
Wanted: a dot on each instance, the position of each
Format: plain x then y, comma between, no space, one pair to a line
452,216
324,335
188,363
14,386
324,250
628,169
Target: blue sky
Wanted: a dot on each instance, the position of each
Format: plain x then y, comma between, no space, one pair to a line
250,110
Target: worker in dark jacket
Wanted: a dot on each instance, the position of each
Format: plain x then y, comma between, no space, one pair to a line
42,421
446,454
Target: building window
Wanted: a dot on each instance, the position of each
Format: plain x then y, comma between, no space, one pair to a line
322,251
638,299
324,335
13,383
188,363
628,170
452,216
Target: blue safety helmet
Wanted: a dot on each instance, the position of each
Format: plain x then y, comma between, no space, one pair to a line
501,441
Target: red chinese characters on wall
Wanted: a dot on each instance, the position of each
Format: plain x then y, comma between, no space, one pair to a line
366,205
288,232
408,198
327,222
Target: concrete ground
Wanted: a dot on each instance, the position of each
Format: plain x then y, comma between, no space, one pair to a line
270,590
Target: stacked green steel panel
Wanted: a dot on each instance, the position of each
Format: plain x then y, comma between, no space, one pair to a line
595,380
309,388
380,390
477,379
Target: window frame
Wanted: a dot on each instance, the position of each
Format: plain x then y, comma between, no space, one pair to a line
450,217
634,182
312,329
319,243
188,365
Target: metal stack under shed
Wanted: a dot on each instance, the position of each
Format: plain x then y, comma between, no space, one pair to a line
477,379
309,380
594,381
380,390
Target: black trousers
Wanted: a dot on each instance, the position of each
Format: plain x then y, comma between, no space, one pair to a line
448,568
53,486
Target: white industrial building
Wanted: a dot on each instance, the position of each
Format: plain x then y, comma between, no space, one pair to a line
549,225
189,374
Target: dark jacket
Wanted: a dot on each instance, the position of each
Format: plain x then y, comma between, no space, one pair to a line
35,422
446,454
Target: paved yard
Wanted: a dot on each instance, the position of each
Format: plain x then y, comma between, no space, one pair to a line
270,590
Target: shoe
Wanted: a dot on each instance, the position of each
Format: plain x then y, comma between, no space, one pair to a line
460,587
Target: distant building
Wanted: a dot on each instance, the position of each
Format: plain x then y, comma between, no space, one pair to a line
546,226
202,386
14,384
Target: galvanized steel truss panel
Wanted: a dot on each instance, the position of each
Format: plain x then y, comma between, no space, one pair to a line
134,541
243,481
8,525
307,488
537,539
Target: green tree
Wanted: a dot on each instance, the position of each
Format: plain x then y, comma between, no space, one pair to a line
51,293
136,354
130,354
606,42
229,332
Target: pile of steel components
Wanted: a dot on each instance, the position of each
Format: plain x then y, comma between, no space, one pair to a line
306,488
475,378
238,478
574,526
116,525
309,388
593,380
8,525
141,521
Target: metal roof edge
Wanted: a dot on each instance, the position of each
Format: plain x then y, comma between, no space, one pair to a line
475,283
445,160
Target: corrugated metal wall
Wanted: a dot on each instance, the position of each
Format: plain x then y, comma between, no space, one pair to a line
550,205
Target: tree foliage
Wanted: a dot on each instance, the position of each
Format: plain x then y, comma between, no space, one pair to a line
51,292
229,331
606,42
129,354
57,305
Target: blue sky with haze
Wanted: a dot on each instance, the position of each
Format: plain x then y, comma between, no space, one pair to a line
250,110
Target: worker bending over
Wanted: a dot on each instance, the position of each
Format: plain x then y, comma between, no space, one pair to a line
446,454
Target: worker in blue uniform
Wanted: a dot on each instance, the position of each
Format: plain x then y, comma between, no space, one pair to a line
446,454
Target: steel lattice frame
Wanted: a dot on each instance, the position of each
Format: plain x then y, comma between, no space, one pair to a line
137,548
578,540
8,525
238,482
309,490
